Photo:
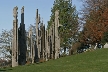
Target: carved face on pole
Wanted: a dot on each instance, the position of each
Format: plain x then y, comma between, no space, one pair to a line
57,13
57,17
22,10
39,19
15,13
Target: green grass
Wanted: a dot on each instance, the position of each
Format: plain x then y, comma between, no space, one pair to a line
95,61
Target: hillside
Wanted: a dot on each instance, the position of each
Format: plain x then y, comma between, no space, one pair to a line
95,61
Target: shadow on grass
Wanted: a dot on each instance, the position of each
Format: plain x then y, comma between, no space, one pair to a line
9,69
2,70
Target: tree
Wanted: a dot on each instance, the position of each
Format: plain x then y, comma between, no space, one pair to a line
95,17
6,41
105,38
68,18
33,37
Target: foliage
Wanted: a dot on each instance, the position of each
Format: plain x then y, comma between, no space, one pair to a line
68,18
6,43
105,38
95,16
75,47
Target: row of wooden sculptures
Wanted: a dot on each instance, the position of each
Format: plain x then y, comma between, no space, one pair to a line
45,46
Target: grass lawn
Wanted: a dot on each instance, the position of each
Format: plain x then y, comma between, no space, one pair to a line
95,61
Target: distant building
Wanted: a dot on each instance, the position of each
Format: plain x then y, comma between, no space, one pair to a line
106,45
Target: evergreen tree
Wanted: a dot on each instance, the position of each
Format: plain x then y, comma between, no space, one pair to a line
68,18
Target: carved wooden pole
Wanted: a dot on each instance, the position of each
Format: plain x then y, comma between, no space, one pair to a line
41,37
52,42
57,42
45,46
31,49
59,25
44,41
15,38
37,36
22,40
27,42
53,39
32,46
48,37
22,15
33,57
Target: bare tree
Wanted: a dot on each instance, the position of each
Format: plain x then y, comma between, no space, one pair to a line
6,41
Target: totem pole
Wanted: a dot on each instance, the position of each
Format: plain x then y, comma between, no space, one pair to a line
22,40
15,38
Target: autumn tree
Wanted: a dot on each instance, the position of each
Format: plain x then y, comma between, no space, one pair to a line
95,17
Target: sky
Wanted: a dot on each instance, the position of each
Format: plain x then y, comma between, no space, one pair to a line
30,6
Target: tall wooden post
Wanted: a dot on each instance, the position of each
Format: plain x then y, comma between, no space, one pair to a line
43,34
48,34
46,46
33,57
52,39
37,30
22,40
31,44
42,40
37,33
57,42
15,38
